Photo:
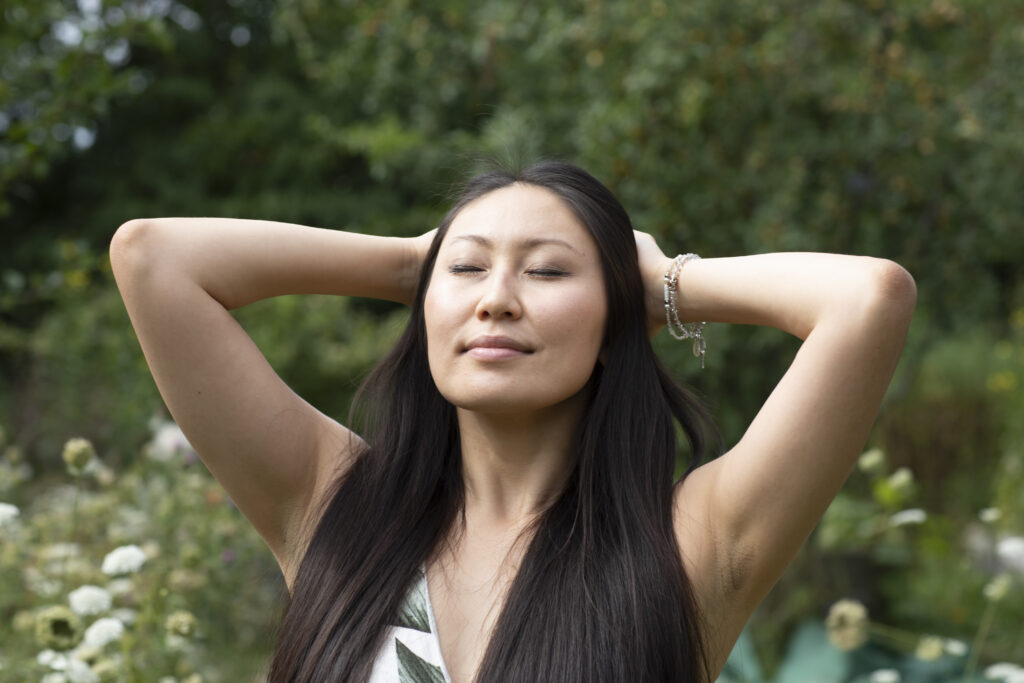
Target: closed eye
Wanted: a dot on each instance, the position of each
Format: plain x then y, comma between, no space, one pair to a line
538,272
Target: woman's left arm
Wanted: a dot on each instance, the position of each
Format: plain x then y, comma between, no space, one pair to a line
764,496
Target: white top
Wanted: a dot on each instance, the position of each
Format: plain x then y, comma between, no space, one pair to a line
411,652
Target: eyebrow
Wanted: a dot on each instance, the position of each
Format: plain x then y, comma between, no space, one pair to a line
527,244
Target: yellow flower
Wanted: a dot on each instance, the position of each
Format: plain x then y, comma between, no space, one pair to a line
57,628
1001,382
847,625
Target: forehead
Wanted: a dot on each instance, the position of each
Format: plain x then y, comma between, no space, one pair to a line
519,213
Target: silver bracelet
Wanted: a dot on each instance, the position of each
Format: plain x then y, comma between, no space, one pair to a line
676,327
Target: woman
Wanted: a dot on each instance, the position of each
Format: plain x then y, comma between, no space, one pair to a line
507,511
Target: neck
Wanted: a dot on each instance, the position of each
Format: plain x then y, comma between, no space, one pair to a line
514,466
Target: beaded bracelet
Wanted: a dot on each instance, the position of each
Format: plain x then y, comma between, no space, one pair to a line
676,327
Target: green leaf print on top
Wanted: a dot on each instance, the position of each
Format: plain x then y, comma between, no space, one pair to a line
414,609
413,669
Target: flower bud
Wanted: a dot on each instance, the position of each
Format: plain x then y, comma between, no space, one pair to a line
78,453
57,628
847,625
181,623
872,461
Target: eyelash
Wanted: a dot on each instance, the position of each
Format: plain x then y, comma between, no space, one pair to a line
542,272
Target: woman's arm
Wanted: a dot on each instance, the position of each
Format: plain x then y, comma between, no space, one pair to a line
271,450
239,261
761,499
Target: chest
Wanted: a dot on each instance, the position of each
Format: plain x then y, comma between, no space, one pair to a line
468,587
468,584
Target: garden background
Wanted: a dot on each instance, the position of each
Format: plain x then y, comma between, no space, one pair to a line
890,128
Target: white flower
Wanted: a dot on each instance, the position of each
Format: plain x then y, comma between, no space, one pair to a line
39,583
123,560
103,631
59,551
996,589
990,515
52,659
89,600
120,587
954,647
872,461
885,676
1001,670
126,615
847,624
79,672
1011,553
168,441
911,516
902,481
54,677
7,513
929,648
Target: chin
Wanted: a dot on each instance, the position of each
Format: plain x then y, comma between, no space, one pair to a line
504,402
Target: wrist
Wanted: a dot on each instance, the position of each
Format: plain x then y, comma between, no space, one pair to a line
408,272
654,286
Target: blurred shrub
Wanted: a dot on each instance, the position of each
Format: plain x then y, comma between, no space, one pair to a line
80,369
162,573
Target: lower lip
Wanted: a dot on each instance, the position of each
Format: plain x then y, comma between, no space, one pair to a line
494,352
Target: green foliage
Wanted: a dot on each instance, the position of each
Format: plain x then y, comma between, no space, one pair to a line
62,71
929,569
889,129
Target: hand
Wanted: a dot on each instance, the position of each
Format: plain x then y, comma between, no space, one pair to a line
653,266
417,248
421,245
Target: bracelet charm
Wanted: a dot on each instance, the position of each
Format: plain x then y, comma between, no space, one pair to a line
676,327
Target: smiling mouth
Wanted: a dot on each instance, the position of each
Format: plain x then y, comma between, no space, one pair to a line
495,352
496,348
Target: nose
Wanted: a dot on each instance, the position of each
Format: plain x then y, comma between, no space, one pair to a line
500,298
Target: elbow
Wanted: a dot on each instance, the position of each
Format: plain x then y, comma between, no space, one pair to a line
893,289
129,249
128,239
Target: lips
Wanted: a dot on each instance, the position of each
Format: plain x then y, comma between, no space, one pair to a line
494,347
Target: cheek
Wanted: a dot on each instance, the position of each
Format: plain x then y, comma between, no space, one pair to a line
440,317
580,321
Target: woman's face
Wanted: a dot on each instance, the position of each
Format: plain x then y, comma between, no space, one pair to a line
515,310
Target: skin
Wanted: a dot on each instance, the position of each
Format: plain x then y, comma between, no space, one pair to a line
739,519
515,264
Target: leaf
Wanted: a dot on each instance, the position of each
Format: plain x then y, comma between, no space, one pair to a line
742,666
414,609
414,669
811,657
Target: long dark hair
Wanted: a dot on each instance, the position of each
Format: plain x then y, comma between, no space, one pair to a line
601,593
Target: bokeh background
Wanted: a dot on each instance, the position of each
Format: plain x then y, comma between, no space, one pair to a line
890,128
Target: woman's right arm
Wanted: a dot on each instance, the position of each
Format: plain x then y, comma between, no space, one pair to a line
272,451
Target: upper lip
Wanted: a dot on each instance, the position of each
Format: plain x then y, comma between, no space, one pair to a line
497,342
